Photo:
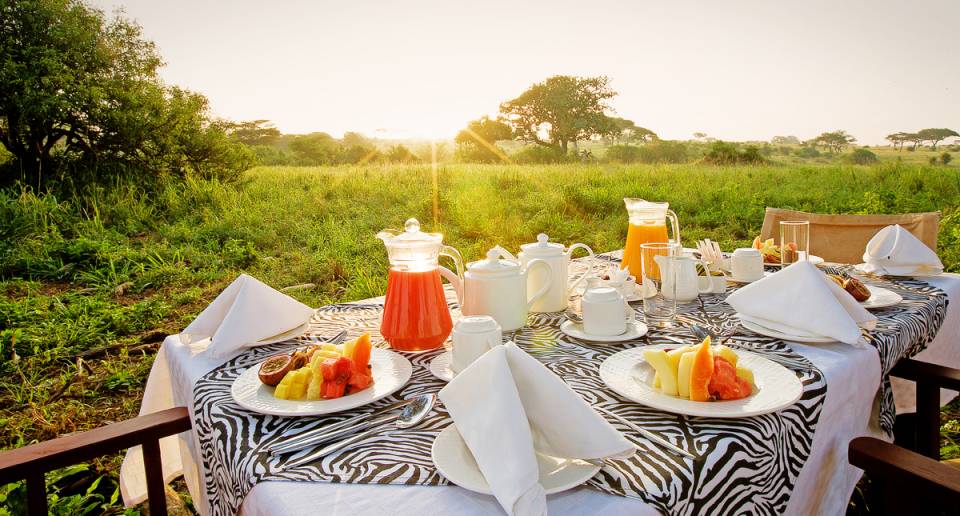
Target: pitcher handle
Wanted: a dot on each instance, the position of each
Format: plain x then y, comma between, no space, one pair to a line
675,224
706,270
453,254
543,290
454,280
589,267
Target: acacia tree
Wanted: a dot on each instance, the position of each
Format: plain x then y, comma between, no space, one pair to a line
560,110
478,141
627,131
834,141
935,136
898,139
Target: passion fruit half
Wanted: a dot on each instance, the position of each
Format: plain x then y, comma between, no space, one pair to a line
273,369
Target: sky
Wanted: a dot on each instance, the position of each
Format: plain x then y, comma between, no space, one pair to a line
736,69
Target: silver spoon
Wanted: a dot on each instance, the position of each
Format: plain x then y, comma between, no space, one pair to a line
410,416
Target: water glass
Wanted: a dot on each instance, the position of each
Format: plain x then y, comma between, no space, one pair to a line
794,241
659,307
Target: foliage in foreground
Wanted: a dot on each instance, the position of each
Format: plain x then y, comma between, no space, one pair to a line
115,267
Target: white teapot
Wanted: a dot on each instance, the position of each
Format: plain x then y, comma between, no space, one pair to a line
498,288
679,278
558,256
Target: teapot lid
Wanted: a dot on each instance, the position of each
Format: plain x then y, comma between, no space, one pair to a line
493,264
542,247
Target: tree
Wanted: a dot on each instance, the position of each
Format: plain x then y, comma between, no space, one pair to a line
785,140
478,141
76,87
898,139
834,141
352,139
560,110
935,136
316,149
254,132
627,131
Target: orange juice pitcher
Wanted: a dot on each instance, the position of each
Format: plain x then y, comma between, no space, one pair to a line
648,223
415,313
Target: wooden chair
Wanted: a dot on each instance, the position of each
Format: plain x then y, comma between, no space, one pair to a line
842,238
908,476
31,462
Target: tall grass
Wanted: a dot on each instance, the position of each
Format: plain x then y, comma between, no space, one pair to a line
125,266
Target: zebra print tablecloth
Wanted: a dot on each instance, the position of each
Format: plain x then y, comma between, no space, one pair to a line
742,465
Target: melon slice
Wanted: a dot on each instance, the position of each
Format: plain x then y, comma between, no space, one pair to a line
701,371
683,374
657,358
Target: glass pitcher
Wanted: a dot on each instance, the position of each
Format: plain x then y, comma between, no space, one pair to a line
648,224
415,314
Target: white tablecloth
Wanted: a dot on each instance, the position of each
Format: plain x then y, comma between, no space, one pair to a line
823,487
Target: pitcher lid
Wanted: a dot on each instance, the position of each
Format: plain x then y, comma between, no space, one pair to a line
411,235
542,247
493,264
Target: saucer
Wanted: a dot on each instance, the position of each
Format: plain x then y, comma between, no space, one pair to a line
441,366
742,282
635,330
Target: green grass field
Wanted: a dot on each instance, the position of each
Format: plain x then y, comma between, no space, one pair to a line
89,287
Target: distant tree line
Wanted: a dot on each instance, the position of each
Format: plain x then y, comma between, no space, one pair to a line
932,136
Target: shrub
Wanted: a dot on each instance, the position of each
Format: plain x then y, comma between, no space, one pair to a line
933,160
539,155
724,153
862,157
664,151
808,152
624,154
946,158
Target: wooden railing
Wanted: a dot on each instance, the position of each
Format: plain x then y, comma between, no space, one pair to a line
32,462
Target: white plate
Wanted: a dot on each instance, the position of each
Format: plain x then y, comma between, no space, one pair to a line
455,462
770,332
859,268
390,372
765,274
287,335
440,366
881,298
630,376
635,330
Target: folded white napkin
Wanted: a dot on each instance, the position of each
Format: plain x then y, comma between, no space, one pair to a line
507,406
895,251
245,312
802,301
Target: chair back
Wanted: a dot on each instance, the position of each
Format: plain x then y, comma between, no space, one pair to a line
843,238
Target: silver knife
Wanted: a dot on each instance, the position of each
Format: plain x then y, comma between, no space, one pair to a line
318,435
646,433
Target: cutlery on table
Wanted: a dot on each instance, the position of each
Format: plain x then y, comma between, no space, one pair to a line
336,339
646,433
410,416
323,434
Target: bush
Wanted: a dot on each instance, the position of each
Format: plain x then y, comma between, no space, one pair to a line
862,157
663,151
624,154
946,158
723,153
539,155
808,152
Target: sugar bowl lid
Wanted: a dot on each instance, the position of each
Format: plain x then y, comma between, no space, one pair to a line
542,247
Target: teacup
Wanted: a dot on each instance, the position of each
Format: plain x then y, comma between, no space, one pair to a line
605,312
746,265
473,336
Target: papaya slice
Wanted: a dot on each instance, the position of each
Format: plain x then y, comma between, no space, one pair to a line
361,354
701,371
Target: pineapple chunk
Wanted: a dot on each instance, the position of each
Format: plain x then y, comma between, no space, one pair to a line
657,358
745,373
656,380
348,348
313,390
683,374
326,346
282,391
727,354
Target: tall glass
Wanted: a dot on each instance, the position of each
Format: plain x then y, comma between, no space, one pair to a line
659,307
794,241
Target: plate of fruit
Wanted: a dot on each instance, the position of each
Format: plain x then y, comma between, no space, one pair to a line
772,252
321,379
701,380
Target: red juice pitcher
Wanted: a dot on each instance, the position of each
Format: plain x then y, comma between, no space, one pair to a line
415,314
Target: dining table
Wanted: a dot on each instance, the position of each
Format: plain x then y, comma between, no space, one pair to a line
793,461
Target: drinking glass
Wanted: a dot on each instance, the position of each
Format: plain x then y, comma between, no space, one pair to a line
794,241
659,310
